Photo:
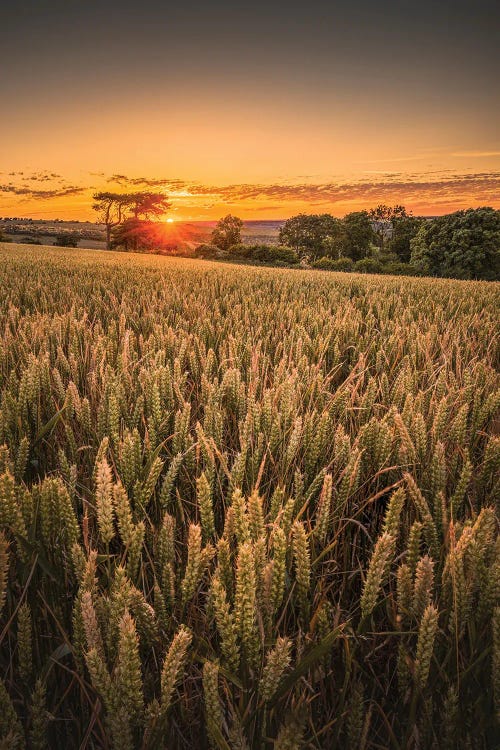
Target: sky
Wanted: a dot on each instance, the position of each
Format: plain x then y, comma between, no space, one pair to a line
260,109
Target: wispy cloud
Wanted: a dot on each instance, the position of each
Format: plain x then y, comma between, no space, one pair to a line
42,194
43,177
413,189
171,184
476,154
483,186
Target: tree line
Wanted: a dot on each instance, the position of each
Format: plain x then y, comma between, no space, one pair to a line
386,239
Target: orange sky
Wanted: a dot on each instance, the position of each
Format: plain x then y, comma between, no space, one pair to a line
260,167
415,182
242,109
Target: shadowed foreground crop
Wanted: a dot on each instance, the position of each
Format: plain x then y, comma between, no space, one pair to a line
246,508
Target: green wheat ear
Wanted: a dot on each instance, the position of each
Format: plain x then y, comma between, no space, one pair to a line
11,730
39,717
302,559
423,586
104,501
127,677
226,624
323,510
25,640
495,669
245,604
290,735
213,707
205,504
425,645
193,566
173,666
377,573
276,663
4,569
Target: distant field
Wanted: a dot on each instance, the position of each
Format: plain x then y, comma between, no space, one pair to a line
185,234
246,507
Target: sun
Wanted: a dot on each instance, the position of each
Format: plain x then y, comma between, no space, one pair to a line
170,221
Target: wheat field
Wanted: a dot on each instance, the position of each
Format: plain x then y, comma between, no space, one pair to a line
246,508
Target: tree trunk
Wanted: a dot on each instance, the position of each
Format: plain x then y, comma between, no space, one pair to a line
108,236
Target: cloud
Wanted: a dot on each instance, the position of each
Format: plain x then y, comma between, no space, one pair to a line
40,194
430,186
483,186
476,154
414,189
269,208
121,179
43,177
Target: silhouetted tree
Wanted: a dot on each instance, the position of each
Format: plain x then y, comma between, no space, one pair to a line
111,208
139,235
132,235
148,205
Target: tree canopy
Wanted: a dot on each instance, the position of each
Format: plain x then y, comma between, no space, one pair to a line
322,235
313,234
227,232
148,205
114,208
462,245
383,218
404,229
358,235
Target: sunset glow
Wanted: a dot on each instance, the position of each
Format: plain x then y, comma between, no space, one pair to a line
228,109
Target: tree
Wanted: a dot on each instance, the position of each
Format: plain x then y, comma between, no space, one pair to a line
404,229
227,232
148,205
206,251
140,235
329,264
313,234
132,235
264,253
334,241
111,208
68,239
368,265
358,235
462,245
382,219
